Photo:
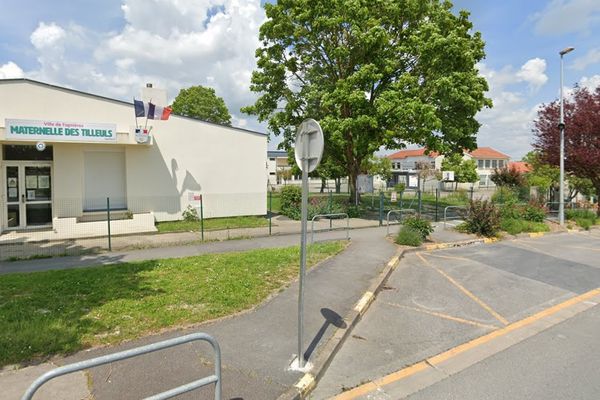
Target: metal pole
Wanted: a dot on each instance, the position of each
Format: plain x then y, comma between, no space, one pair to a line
561,126
437,201
202,217
329,208
420,201
380,208
108,219
270,209
304,217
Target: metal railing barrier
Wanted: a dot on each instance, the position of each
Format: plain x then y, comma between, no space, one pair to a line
400,212
446,212
319,216
94,362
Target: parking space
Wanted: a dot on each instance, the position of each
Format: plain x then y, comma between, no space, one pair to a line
437,300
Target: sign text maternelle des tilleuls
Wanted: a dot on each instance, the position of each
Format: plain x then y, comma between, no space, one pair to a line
59,131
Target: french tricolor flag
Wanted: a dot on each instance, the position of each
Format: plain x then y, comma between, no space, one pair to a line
151,111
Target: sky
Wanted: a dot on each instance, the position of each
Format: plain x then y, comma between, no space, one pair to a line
114,47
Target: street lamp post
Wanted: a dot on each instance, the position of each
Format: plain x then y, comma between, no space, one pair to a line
561,127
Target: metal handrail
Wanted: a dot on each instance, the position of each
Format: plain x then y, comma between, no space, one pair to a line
398,211
318,216
94,362
446,212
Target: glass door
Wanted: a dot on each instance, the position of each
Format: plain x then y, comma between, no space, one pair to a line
29,195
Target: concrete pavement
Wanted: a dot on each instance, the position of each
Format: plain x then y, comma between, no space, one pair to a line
438,300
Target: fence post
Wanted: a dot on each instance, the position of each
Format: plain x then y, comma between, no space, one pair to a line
401,202
420,201
437,201
202,217
329,207
270,209
472,192
108,219
380,208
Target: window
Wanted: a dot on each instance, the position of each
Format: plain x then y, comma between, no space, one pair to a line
479,163
272,159
271,173
500,163
494,163
26,153
487,163
482,180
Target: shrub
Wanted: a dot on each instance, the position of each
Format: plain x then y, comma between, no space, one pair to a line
587,214
190,214
409,237
399,187
585,223
533,213
515,226
420,225
483,218
291,197
510,210
505,195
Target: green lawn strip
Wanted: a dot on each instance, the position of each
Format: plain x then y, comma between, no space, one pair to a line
59,312
213,224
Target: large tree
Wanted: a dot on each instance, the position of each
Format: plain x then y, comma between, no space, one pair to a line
465,170
373,72
203,103
582,134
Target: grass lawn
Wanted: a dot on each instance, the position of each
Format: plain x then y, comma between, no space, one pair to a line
213,224
59,312
515,226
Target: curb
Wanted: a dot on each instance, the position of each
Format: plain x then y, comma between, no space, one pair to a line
308,382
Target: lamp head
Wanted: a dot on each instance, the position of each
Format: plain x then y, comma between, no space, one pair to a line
567,50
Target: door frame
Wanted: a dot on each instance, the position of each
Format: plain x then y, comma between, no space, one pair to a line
23,205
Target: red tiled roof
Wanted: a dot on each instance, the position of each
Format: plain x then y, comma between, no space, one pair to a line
487,152
520,166
402,154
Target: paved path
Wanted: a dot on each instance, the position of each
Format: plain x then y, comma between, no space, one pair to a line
257,346
437,300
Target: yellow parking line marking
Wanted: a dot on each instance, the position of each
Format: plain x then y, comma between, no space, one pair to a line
470,295
438,359
451,257
444,316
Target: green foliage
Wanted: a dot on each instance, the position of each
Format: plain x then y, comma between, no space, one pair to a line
213,224
373,73
483,218
464,170
203,103
190,214
505,195
420,225
516,226
400,187
508,177
584,218
408,236
458,197
291,199
534,213
381,166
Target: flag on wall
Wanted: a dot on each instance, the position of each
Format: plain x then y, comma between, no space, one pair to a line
151,111
158,112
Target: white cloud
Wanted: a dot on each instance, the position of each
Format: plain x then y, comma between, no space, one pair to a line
47,35
592,57
10,70
173,44
567,16
591,83
533,72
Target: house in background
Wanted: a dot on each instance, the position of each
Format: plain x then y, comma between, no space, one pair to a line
405,164
277,167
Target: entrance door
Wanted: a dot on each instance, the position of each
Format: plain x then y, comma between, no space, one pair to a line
29,195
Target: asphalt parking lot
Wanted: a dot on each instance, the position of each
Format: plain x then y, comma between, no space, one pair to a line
438,300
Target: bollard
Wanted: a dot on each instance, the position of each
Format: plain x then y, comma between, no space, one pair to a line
108,219
437,202
270,209
380,208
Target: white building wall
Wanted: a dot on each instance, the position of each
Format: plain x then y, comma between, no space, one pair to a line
226,165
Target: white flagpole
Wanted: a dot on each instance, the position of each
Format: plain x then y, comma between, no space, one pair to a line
146,126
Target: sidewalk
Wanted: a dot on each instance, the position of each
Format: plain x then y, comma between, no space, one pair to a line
257,346
28,247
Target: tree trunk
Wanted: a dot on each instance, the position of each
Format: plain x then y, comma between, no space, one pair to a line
338,185
322,185
354,197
